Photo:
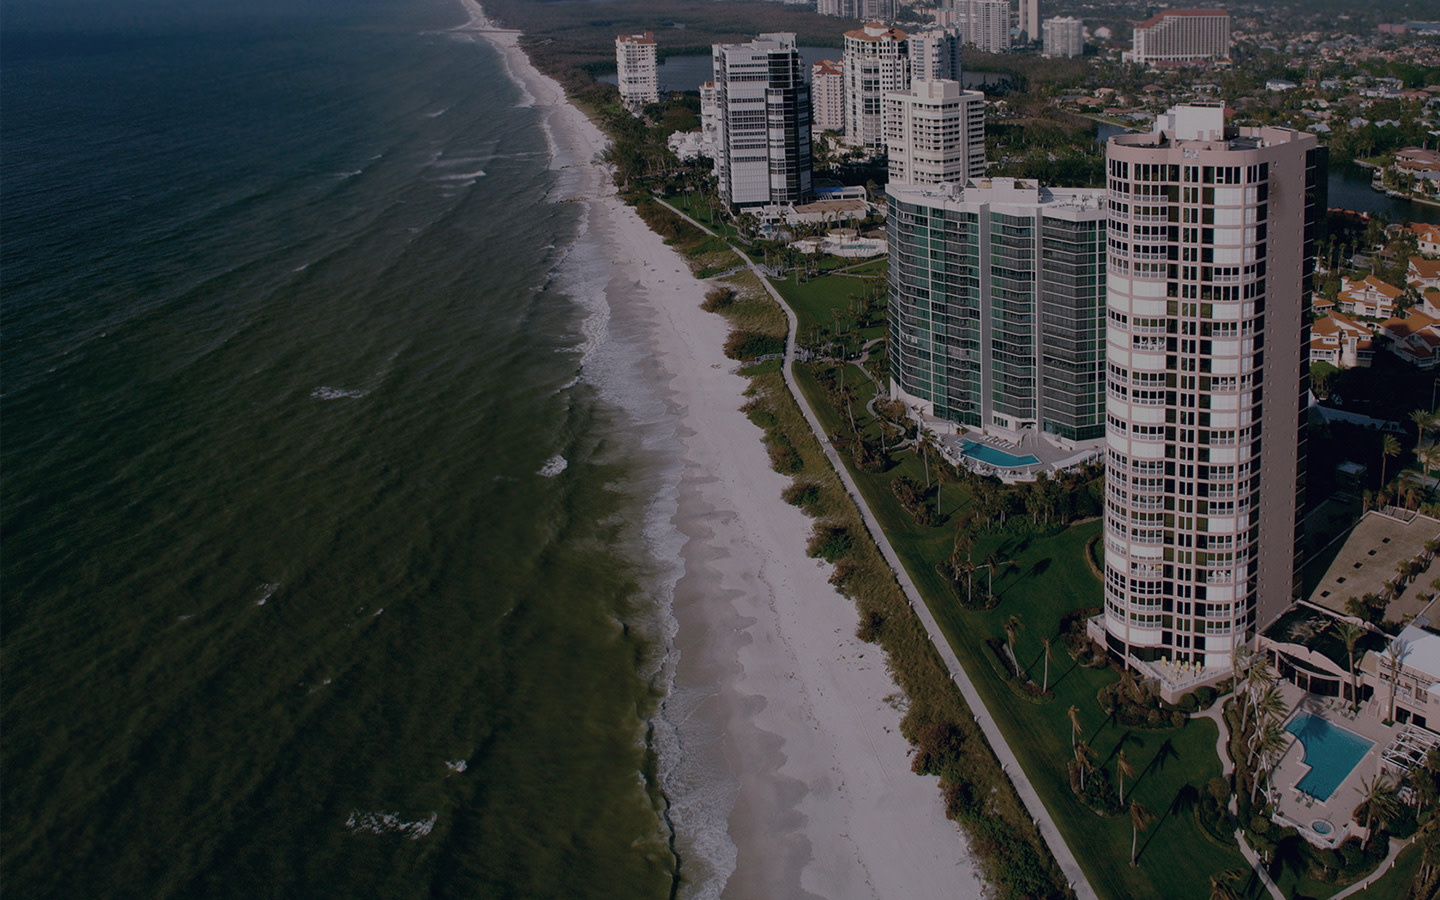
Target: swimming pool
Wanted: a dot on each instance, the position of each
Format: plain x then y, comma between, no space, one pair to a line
988,454
1331,752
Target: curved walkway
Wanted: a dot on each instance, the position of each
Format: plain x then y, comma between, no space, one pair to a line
1069,865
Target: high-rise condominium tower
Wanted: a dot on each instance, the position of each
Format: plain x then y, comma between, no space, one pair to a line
1212,240
935,52
1029,21
877,59
935,132
986,24
1064,36
762,98
635,68
1182,37
997,305
827,93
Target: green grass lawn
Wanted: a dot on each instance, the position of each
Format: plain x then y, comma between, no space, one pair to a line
1041,577
817,301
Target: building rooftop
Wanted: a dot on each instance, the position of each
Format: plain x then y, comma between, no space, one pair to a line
1367,560
1174,13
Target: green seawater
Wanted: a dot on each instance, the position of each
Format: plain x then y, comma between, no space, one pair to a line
323,565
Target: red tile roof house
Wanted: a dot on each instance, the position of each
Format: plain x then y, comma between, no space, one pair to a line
1341,341
1423,274
1415,339
1371,298
1429,237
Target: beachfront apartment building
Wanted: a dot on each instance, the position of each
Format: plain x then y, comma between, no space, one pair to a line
997,305
934,133
1211,255
1181,37
827,95
986,24
881,10
762,141
877,60
935,52
1064,36
1029,21
636,69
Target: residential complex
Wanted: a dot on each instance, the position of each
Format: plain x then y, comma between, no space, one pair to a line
1211,254
935,132
762,99
635,68
827,95
883,10
997,309
1182,37
1064,36
877,60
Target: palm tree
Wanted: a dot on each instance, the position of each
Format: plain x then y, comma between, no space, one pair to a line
1260,678
1379,798
1123,767
1083,755
1239,659
1351,633
1074,725
1045,687
1013,626
1389,447
1271,743
1395,653
1140,820
1424,420
1222,885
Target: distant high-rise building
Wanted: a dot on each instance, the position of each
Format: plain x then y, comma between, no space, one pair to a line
1182,37
997,305
935,132
986,24
762,97
636,69
1064,36
883,10
1029,21
935,52
1211,255
877,59
827,95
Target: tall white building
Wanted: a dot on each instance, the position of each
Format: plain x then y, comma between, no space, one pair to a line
1182,37
1029,21
986,24
935,52
877,60
636,69
884,10
827,95
762,99
1064,36
935,132
1211,255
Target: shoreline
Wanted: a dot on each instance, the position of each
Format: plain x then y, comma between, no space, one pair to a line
789,724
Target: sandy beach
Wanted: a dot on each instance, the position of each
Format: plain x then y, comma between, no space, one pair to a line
797,780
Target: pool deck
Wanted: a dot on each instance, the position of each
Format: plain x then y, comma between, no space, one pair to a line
1294,808
1049,457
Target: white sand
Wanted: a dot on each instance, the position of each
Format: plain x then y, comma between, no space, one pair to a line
795,752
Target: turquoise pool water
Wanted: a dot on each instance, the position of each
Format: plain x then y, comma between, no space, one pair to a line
987,454
1331,752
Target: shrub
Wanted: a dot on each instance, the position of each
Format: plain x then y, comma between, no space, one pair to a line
1205,696
870,623
804,494
830,542
744,344
1188,703
937,746
719,298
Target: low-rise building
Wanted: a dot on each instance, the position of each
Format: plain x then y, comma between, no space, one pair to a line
1415,339
1428,237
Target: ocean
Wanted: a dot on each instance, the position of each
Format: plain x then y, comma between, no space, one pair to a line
333,522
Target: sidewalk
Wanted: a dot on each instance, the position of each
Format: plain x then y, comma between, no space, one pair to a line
1069,865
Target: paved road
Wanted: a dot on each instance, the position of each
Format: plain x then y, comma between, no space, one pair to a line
1069,865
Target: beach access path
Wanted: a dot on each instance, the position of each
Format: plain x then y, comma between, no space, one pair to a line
1069,865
